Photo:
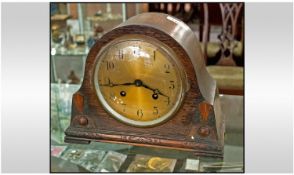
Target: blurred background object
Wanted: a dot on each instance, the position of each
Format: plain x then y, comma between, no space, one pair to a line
75,27
225,58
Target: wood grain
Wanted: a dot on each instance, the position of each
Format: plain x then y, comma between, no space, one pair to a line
180,131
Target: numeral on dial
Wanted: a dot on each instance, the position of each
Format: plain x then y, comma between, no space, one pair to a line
167,101
109,65
167,68
172,84
140,113
136,51
124,107
120,54
112,96
155,110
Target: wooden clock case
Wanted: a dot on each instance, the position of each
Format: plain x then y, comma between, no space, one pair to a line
189,129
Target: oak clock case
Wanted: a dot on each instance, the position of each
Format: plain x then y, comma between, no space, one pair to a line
146,84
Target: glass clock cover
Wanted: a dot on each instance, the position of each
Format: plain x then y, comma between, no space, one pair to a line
139,81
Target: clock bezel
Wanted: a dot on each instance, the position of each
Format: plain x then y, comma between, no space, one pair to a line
170,55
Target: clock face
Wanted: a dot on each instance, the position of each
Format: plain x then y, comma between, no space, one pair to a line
139,81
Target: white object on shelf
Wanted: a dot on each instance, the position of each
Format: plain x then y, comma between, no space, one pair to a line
192,165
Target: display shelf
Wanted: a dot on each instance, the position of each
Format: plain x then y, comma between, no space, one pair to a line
61,95
78,23
70,52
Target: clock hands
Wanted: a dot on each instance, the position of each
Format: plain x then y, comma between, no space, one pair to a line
137,83
155,91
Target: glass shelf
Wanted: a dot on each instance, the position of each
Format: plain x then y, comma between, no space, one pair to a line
57,50
61,95
74,28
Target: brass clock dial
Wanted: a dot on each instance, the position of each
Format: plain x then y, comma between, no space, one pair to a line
139,81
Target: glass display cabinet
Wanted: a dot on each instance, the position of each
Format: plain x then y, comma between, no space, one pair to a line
74,29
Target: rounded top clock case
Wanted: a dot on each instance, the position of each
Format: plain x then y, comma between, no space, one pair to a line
185,127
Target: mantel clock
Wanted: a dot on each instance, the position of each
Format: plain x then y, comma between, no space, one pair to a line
146,84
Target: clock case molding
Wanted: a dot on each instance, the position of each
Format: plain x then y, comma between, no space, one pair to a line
186,130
